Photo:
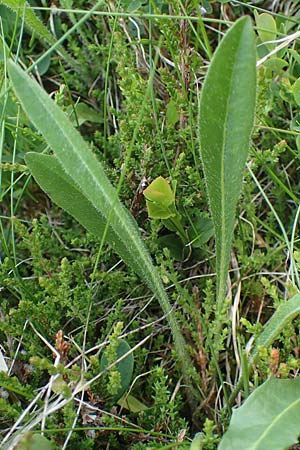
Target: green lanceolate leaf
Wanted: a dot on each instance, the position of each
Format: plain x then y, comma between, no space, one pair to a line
268,420
87,174
285,313
226,119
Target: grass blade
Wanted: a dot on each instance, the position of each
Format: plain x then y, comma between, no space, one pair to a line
226,120
87,174
21,7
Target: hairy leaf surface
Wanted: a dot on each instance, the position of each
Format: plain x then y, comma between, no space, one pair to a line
88,176
226,120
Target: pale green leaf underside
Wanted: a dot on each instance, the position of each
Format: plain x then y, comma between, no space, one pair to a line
268,420
87,174
226,120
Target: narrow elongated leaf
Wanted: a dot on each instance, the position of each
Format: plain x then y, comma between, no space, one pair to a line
285,313
226,121
280,319
81,165
268,420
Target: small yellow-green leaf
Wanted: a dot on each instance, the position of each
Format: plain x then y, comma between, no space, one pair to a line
132,404
296,91
158,211
266,27
172,113
160,192
84,113
197,443
298,142
60,386
275,64
30,441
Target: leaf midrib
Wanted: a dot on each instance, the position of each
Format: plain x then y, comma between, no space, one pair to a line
223,252
272,425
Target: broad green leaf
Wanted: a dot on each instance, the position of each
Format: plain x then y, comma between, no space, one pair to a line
124,367
32,441
226,120
266,27
295,123
8,19
298,142
131,5
201,229
285,313
43,66
87,173
295,55
268,420
207,6
172,115
175,245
